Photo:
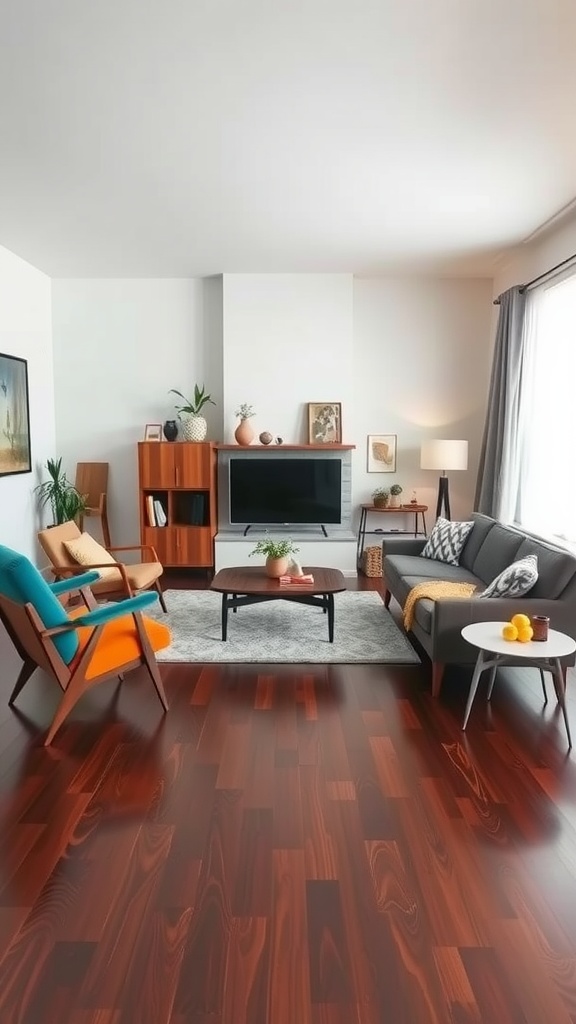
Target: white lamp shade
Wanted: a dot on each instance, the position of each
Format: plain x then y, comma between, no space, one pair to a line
437,454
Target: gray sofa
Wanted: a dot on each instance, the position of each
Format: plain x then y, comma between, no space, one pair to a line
490,548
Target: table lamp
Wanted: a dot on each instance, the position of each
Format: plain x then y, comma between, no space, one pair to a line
444,455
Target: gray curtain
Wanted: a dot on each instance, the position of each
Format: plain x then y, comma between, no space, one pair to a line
495,487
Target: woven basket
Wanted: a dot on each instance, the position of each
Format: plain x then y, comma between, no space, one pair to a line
372,561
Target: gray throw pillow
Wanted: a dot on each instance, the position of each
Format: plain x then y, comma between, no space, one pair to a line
514,581
446,541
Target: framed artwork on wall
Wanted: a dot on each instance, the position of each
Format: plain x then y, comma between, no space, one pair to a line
15,455
382,453
324,423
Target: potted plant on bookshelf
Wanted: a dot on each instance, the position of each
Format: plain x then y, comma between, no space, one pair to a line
194,426
381,497
66,503
395,492
276,552
244,434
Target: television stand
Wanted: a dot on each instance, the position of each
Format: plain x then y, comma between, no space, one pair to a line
248,527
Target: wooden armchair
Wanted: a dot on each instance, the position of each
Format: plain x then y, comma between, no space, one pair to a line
126,580
79,651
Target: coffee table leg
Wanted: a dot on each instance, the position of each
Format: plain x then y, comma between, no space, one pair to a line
473,686
224,616
330,600
558,679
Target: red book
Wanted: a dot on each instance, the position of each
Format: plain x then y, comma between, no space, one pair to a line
288,581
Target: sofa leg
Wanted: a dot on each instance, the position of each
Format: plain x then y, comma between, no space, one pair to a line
437,674
387,596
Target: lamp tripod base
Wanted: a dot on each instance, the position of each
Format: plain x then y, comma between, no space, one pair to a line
443,498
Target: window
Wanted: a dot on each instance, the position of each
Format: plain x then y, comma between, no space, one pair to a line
546,500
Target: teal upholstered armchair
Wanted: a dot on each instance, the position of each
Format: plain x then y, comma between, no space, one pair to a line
92,643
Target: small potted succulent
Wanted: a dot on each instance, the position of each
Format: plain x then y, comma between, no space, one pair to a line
395,492
194,426
381,497
276,552
244,434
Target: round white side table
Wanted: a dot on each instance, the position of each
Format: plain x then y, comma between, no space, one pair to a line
495,651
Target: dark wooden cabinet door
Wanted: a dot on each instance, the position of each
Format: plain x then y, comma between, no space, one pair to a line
192,465
157,464
193,546
161,540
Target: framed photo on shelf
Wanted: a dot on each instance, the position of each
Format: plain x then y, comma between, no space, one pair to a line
153,432
381,453
324,423
15,455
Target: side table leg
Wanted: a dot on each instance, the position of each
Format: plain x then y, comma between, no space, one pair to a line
224,616
558,678
543,681
331,618
478,669
361,537
492,680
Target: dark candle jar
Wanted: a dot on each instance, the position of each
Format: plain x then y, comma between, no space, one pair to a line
540,624
170,430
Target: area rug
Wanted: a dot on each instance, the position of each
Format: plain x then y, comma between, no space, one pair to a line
280,631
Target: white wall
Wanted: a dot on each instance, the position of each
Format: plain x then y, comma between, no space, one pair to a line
119,346
421,369
25,331
288,340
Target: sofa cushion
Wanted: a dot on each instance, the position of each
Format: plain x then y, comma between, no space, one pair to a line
402,584
515,581
446,541
497,552
556,567
475,539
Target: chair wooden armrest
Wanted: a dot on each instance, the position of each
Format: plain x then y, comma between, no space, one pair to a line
67,571
137,547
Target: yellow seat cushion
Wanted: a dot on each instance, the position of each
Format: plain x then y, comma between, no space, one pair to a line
119,643
140,576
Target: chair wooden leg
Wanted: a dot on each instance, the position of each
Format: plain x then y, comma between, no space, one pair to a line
70,698
25,672
161,596
437,675
387,596
154,672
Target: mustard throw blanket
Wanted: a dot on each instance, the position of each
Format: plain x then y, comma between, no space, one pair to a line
433,590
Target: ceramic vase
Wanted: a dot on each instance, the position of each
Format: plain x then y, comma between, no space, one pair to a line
170,430
394,501
244,434
276,567
194,428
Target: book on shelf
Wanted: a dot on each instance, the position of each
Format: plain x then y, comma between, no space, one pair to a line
160,514
297,581
150,510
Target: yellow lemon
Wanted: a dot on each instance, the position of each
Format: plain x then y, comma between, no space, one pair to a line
525,634
520,621
509,631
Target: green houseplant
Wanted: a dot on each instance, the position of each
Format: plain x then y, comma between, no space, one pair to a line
66,503
381,497
276,552
395,492
194,426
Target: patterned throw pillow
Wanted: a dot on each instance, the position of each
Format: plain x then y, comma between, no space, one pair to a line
446,541
514,581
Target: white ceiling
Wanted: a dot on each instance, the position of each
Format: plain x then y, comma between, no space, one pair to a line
192,137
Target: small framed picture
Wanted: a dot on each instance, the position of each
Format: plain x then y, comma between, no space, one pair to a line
381,453
153,432
324,423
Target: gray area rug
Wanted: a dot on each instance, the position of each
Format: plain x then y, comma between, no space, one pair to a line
280,631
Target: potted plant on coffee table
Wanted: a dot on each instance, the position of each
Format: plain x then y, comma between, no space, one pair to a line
381,497
276,552
395,492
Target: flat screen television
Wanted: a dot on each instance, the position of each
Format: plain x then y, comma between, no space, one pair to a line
266,491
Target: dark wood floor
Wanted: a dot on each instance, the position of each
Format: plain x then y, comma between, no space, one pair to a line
289,845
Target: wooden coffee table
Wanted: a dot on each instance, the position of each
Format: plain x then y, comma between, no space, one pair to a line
249,584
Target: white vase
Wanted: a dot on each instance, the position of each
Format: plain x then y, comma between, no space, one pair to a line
394,501
194,428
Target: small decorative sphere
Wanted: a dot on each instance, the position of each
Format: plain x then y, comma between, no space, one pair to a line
279,440
266,437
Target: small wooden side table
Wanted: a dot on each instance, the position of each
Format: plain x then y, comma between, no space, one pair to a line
404,510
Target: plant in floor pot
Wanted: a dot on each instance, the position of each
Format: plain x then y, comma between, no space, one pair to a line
277,552
244,434
194,426
66,503
395,492
381,497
